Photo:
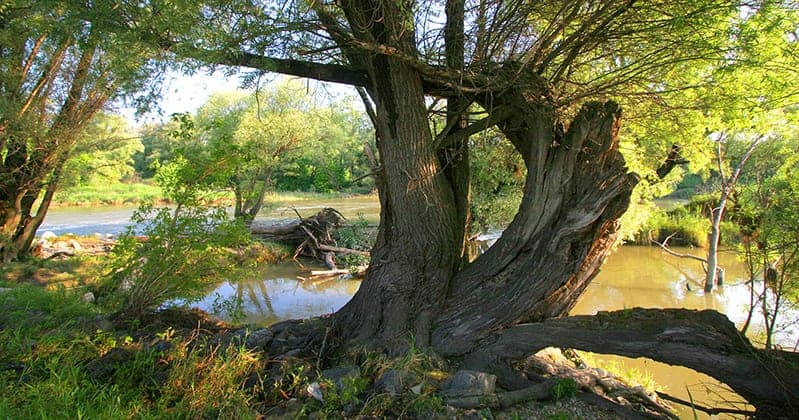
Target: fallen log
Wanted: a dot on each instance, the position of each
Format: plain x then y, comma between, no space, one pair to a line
311,237
325,274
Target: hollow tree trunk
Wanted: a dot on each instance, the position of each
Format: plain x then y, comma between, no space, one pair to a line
576,189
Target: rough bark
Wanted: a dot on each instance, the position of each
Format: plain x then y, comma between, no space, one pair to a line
705,341
577,187
417,243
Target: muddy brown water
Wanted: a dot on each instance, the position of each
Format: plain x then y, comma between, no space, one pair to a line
632,276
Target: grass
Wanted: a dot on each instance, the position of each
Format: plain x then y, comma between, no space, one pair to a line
108,194
56,361
631,376
53,274
134,193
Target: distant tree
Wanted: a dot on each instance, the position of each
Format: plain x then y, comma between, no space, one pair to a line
103,153
251,143
158,148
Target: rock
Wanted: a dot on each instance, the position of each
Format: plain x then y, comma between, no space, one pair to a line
60,245
315,390
392,382
74,244
104,367
88,297
417,389
48,235
258,339
468,383
230,338
338,375
102,323
161,346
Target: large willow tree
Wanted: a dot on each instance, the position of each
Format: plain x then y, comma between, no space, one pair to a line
542,73
61,62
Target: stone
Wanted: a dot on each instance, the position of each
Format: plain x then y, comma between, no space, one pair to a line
60,245
258,339
103,368
102,323
392,382
161,346
315,390
337,375
88,297
48,235
74,244
468,383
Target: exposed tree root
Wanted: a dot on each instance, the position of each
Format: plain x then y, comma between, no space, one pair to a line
705,341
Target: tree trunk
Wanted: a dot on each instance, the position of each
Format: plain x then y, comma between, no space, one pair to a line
705,341
576,189
713,242
417,244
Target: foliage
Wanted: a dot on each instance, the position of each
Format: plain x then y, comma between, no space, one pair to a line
497,177
768,218
103,154
54,347
688,229
564,388
179,256
356,235
158,148
249,144
108,194
182,250
60,64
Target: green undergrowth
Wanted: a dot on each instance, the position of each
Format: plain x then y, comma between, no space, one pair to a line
59,360
630,375
77,271
61,357
684,225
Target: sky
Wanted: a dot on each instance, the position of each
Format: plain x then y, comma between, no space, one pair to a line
186,93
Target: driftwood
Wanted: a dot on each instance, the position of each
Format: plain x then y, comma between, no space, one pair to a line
311,237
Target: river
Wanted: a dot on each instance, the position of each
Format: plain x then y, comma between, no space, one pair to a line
633,276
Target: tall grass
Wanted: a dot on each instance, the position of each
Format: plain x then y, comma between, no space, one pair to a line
49,344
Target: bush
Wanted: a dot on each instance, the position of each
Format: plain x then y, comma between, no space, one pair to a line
178,257
688,229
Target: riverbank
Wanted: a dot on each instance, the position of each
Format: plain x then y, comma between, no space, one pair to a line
122,194
62,353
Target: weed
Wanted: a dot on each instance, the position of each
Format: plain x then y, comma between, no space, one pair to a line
564,388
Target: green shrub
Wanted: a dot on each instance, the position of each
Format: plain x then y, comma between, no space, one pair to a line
564,388
178,257
685,229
